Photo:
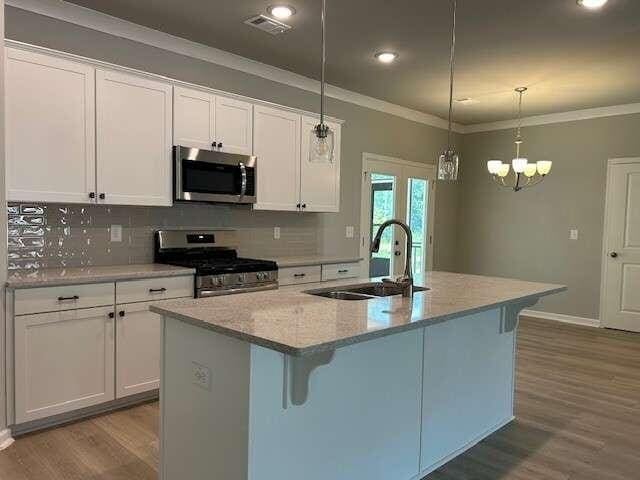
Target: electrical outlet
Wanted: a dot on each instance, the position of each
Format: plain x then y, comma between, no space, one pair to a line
276,233
349,231
116,233
201,375
573,234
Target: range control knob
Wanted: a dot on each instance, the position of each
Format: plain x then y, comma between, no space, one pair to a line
216,281
261,276
240,278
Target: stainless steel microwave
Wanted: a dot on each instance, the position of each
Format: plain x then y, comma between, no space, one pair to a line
209,176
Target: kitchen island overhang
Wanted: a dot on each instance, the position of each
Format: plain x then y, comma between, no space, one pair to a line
286,385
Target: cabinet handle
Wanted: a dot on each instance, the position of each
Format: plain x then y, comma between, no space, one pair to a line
220,145
67,299
343,271
112,314
299,275
92,194
121,313
613,254
157,290
214,144
102,196
297,205
304,205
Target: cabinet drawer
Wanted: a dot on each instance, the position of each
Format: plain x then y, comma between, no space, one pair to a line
67,297
296,275
340,270
154,289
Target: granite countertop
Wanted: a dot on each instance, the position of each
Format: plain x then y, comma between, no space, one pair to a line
293,322
48,277
308,260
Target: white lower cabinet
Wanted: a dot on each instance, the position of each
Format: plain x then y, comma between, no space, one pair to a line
63,361
138,349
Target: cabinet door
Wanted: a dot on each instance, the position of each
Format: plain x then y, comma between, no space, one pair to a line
138,349
63,361
134,139
277,146
50,128
194,118
319,182
234,125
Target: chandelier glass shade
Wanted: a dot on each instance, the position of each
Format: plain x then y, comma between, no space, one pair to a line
525,174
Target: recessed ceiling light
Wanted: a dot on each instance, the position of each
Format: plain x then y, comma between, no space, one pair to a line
386,57
281,11
592,4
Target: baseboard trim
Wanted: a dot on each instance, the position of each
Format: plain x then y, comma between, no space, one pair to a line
561,317
5,439
83,413
464,448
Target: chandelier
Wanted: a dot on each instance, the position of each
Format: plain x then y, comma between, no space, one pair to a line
525,174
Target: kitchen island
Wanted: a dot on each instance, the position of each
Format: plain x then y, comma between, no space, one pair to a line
287,385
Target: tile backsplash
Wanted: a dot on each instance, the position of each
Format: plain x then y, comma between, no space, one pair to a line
56,235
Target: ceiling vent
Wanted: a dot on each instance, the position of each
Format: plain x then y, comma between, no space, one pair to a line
268,25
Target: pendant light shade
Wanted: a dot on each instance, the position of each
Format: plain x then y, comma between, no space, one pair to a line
321,137
449,160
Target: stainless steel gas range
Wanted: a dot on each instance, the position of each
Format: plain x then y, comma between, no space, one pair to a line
213,254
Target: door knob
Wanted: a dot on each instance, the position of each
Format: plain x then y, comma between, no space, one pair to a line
613,254
397,253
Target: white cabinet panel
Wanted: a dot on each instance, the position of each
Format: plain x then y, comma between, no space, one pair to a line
138,351
319,182
234,125
277,146
194,118
299,275
337,271
134,117
65,297
154,289
63,361
50,128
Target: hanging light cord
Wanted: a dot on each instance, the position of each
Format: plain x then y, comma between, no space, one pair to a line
322,20
451,68
518,141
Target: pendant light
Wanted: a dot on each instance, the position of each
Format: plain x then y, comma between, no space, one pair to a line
448,163
525,174
322,137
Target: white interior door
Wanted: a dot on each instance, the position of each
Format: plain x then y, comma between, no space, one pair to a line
401,190
621,299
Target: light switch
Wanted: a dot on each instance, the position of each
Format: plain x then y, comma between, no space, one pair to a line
276,233
116,233
201,375
573,234
349,231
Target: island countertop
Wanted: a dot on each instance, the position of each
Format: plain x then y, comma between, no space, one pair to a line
293,322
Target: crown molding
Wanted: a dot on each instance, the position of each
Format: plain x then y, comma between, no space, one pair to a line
572,116
102,22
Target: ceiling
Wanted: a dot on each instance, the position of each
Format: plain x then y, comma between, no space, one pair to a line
569,57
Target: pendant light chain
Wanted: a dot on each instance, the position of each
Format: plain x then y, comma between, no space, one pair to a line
324,56
518,141
452,60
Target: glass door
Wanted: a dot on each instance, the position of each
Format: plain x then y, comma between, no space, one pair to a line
402,191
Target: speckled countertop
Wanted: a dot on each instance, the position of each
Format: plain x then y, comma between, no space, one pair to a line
48,277
291,321
308,260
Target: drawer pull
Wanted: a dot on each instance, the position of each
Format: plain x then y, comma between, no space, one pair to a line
299,275
121,313
67,299
157,290
112,314
343,271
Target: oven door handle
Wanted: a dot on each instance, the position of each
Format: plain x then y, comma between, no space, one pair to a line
243,181
230,291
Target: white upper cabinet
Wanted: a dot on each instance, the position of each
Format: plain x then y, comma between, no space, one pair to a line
212,122
50,128
319,182
194,118
234,125
277,146
133,139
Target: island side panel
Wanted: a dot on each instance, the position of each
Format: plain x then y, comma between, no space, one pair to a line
204,423
361,418
468,383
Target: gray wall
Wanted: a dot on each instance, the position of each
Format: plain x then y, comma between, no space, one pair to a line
365,129
526,234
3,223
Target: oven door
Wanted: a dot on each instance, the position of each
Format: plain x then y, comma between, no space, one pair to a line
206,176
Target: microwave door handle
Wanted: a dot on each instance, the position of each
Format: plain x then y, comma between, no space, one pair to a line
243,185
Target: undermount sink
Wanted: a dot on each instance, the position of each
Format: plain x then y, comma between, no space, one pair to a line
361,291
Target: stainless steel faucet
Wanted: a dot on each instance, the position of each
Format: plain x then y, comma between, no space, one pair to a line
405,282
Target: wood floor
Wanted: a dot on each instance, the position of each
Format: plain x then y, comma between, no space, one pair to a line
578,418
